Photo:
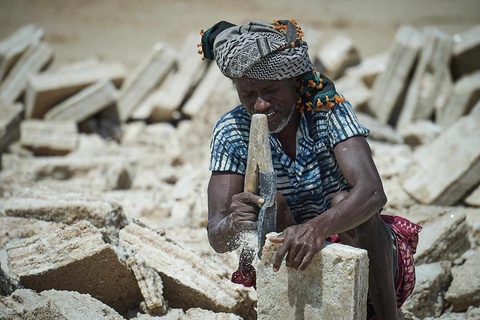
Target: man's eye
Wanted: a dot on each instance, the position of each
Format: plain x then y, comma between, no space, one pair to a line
271,90
248,95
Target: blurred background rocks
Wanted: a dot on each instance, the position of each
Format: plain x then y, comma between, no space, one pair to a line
106,111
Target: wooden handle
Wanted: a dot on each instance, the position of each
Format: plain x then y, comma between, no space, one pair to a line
259,153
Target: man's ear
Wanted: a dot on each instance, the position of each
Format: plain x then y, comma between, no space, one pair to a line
297,81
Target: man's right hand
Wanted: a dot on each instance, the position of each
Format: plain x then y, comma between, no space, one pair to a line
244,210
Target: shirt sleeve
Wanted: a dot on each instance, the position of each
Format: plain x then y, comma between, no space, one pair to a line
343,124
227,150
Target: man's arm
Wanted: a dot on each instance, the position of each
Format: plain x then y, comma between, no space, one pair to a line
230,210
302,242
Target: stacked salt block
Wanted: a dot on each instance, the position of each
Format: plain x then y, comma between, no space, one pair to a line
47,89
465,52
25,303
190,314
53,304
444,238
150,285
464,290
197,313
165,102
474,198
334,286
19,227
379,131
188,204
432,280
397,197
314,38
432,69
443,245
12,48
441,101
444,171
140,202
473,226
106,124
420,132
390,159
151,72
75,258
100,213
172,314
389,87
188,280
203,91
7,286
10,118
85,104
355,91
78,65
337,55
32,61
462,99
368,69
476,109
49,137
422,214
99,177
79,172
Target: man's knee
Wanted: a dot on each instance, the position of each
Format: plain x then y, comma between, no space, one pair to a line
371,225
372,231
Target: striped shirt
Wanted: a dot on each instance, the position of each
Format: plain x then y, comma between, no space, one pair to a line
307,182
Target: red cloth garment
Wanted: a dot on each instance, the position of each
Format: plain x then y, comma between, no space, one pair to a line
406,235
245,274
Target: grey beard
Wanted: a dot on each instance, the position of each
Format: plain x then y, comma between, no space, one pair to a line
285,121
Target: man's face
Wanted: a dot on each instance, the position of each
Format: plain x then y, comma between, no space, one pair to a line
274,98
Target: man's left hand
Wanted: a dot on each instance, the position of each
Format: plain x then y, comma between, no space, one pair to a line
300,243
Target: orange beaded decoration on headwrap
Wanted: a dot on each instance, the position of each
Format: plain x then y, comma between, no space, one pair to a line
318,92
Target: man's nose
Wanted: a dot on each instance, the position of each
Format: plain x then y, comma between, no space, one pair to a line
261,105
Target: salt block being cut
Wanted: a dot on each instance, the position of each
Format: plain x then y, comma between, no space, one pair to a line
334,286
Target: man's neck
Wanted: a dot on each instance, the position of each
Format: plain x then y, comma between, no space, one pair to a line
287,136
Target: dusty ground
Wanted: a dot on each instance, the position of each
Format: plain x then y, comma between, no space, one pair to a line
125,30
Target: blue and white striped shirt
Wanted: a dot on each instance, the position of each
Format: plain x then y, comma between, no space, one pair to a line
307,182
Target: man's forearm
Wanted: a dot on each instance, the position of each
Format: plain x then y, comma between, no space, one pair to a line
222,235
356,208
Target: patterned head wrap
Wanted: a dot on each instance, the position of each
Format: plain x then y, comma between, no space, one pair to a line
268,51
258,50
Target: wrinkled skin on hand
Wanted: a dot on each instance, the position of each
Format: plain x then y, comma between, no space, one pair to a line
244,210
299,243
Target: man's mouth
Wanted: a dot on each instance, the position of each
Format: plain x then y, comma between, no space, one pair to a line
271,111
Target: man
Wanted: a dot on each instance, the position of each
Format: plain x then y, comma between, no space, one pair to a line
327,183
